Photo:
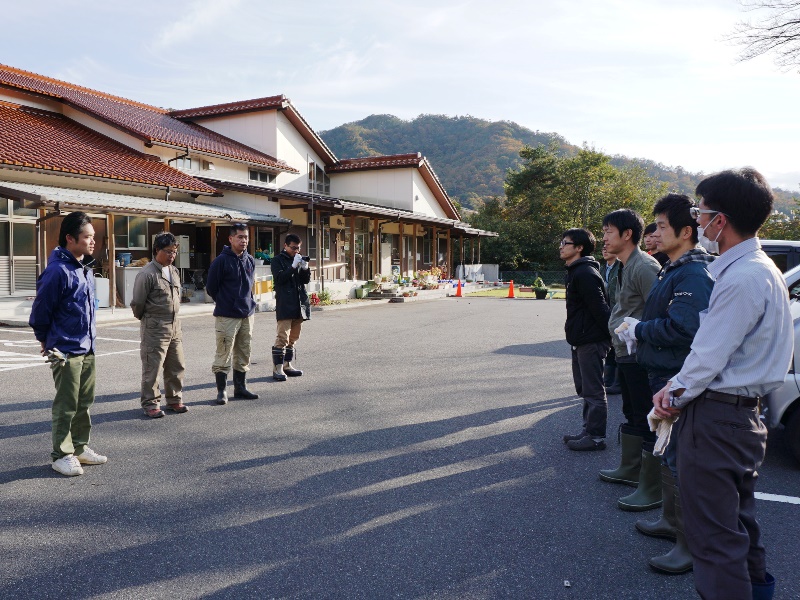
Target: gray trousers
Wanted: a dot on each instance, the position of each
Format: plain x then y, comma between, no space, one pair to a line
720,446
587,373
161,348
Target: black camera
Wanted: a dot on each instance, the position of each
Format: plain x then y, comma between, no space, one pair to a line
306,258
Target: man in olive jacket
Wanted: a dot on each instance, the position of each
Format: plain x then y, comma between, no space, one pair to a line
290,274
587,332
622,230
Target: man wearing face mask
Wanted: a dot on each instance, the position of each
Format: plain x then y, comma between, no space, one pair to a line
740,353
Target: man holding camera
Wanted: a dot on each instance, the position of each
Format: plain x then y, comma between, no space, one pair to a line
290,274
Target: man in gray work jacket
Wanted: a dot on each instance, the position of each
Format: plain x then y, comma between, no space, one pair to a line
156,301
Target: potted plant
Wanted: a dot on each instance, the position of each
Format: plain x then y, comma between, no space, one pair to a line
539,288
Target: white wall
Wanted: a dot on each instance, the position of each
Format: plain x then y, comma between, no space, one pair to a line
28,100
295,151
243,201
393,188
255,129
427,203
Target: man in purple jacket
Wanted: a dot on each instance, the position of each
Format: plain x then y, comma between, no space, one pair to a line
63,320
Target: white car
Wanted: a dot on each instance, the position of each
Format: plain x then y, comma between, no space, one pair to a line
782,407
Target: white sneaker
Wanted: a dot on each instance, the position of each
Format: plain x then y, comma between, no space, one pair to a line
68,465
90,457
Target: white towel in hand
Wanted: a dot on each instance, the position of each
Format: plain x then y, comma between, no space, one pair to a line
663,429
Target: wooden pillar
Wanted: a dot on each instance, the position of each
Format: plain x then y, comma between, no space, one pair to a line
167,223
212,254
435,248
472,251
353,247
479,250
112,271
320,249
449,256
403,257
376,247
414,249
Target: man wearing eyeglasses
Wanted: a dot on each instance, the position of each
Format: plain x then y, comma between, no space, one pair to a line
230,284
290,274
586,330
155,302
741,352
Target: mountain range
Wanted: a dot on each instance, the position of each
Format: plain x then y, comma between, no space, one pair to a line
471,156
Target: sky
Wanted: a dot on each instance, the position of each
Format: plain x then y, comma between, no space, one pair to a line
650,79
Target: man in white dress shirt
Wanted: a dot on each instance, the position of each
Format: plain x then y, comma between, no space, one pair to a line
740,353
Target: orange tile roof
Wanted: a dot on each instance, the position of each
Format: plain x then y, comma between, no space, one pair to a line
149,123
271,102
368,163
49,141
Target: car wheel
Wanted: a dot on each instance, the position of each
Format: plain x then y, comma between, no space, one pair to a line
793,433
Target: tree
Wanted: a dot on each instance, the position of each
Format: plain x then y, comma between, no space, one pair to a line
778,32
550,193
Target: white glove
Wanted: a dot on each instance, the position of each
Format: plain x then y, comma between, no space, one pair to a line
632,323
304,265
625,333
298,258
663,429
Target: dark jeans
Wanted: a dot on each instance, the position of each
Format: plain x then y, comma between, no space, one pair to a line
636,400
587,372
670,455
720,447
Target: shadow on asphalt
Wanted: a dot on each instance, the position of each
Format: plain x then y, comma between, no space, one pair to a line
34,472
379,440
554,349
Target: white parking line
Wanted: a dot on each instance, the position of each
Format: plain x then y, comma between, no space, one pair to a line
117,340
777,498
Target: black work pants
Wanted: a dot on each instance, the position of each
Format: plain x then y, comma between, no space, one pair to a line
720,446
587,373
637,400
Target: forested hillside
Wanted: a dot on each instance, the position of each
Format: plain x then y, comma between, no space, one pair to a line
471,156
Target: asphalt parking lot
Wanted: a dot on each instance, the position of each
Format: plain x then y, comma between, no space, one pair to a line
420,456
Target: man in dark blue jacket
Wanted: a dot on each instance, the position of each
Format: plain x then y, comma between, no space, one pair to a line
290,274
664,338
587,332
230,284
63,320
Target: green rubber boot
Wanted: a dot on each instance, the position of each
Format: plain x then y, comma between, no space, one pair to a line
679,559
665,526
648,493
631,461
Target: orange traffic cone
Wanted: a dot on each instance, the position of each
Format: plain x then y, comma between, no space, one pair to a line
458,289
511,289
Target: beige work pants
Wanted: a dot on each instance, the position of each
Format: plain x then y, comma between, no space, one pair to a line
234,337
288,332
161,347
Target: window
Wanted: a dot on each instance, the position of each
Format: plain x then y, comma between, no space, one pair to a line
262,176
318,181
130,232
183,162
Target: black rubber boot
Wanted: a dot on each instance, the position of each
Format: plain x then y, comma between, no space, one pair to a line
287,364
222,383
648,494
665,526
277,361
630,463
240,386
679,559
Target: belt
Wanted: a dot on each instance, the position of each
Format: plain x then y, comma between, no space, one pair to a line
745,401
